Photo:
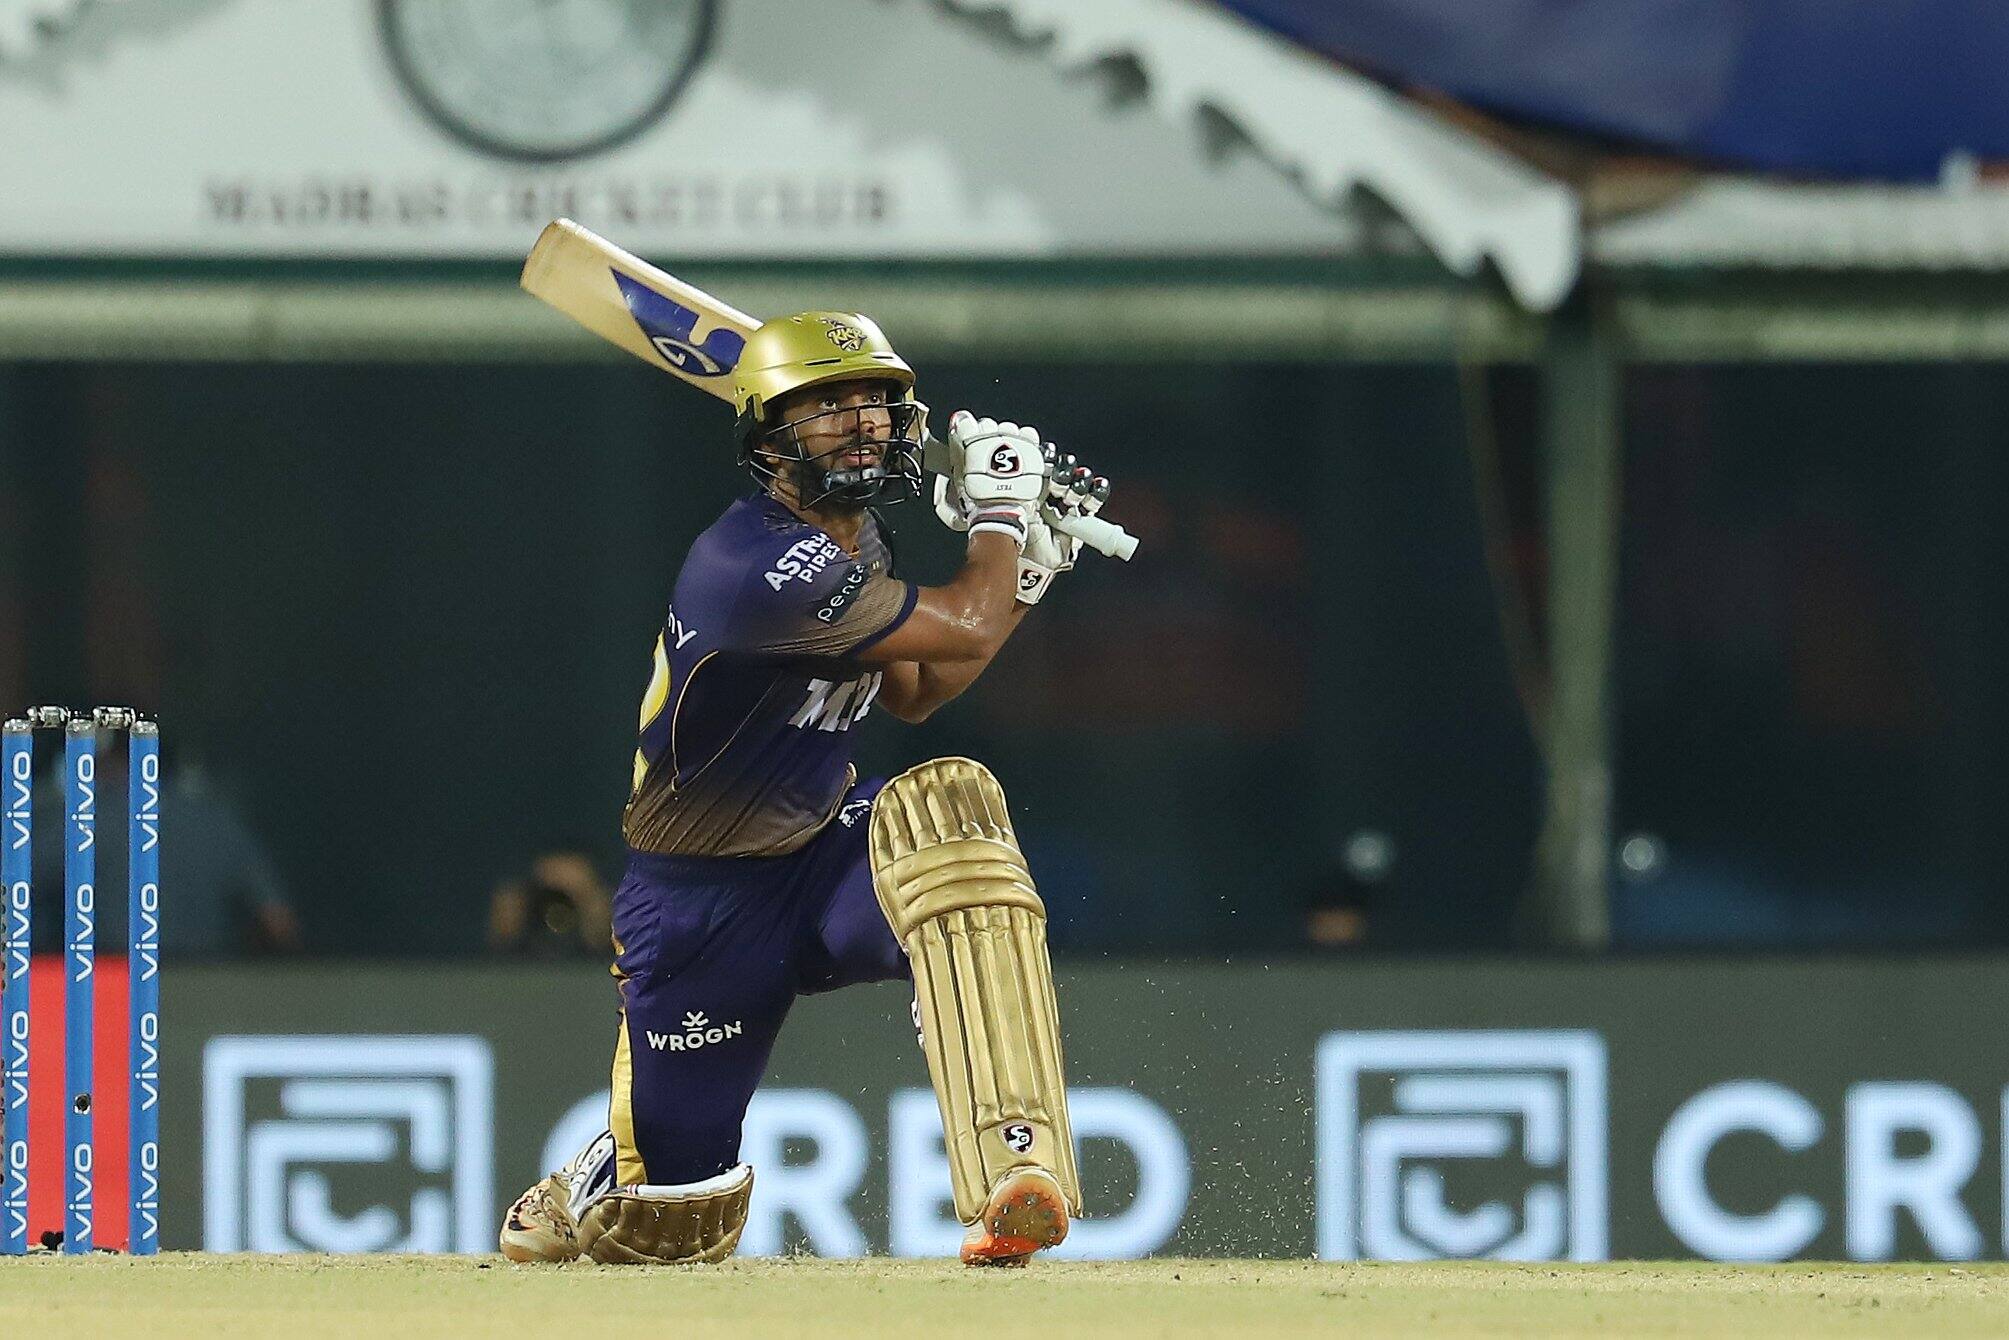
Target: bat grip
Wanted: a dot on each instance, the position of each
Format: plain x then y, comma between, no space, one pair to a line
1104,537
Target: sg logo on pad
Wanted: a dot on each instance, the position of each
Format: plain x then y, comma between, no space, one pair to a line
348,1144
1462,1144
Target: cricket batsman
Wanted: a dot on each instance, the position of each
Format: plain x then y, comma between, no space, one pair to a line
761,868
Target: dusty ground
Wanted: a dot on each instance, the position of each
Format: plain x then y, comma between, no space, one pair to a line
438,1298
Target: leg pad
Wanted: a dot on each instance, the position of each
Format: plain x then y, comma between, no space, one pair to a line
955,888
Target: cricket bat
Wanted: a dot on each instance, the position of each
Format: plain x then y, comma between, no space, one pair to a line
688,333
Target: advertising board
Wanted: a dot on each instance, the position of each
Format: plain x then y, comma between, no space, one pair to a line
1730,1109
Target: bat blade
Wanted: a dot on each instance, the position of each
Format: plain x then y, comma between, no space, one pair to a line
623,299
680,329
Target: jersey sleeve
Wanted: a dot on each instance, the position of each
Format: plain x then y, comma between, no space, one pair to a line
811,598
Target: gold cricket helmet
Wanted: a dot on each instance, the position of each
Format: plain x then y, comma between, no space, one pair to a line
793,353
790,353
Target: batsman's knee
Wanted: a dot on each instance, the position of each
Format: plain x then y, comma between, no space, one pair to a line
668,1225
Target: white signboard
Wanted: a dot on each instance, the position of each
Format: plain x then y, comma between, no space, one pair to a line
685,128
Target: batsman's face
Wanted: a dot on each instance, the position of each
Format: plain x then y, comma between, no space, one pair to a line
841,426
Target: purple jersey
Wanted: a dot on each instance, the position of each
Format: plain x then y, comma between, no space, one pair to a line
745,747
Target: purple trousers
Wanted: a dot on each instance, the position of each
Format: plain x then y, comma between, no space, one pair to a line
710,953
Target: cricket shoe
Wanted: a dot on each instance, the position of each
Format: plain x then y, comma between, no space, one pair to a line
540,1226
543,1224
1026,1213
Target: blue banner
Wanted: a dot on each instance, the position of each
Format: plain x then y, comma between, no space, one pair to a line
1836,88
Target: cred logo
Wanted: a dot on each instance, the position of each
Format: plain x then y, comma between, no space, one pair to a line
1473,1144
347,1144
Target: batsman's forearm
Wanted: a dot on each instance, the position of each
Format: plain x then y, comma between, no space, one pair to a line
944,681
964,620
981,597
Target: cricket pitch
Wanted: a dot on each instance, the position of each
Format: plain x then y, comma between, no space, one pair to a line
440,1298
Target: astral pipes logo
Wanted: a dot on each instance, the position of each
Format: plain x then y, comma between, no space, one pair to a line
698,1032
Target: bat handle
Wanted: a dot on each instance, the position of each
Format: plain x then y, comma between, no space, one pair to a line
1104,537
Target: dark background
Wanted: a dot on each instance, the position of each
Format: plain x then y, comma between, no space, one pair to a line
403,614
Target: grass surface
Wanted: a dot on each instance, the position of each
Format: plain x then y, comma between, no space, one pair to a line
439,1298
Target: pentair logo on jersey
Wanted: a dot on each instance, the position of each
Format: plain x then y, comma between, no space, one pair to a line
854,582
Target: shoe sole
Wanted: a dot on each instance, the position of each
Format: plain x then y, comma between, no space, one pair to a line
525,1249
1027,1213
526,1244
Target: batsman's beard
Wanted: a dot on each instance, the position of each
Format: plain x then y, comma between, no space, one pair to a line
882,466
854,484
883,470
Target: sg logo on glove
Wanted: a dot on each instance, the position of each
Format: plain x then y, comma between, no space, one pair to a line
1004,461
1471,1144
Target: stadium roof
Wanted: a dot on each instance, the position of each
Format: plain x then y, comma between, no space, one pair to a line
1471,196
1741,221
1330,129
1249,142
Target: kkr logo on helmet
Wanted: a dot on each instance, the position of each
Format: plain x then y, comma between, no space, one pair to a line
669,326
845,335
